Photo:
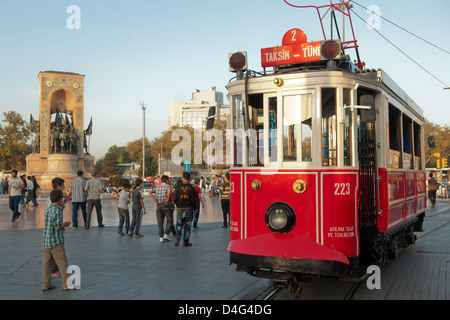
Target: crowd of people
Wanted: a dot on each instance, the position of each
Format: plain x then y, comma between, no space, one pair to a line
171,197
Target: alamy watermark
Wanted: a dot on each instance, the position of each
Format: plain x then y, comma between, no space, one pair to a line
73,22
74,280
374,20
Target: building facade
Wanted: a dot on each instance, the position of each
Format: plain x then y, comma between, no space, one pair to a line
194,112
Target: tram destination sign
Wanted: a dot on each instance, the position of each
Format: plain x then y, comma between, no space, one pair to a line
300,53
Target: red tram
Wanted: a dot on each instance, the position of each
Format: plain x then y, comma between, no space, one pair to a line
328,166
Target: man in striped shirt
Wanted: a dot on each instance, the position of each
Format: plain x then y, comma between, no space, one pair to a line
54,241
162,198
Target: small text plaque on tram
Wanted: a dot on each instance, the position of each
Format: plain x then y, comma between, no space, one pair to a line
291,54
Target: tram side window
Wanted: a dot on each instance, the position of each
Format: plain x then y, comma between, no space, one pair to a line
347,134
417,147
394,137
329,123
297,131
407,143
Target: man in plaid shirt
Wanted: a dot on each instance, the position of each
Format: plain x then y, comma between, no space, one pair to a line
54,241
162,198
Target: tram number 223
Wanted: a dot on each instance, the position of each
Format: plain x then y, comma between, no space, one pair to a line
342,189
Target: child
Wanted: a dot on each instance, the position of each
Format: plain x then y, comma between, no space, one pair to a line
138,206
54,241
122,208
57,183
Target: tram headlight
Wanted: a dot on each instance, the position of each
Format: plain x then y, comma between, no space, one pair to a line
280,218
237,61
330,49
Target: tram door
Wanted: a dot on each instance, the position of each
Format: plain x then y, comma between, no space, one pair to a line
367,167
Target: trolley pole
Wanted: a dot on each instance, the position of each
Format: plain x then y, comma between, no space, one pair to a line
143,139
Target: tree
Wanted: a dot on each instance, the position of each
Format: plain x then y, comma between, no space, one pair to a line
14,145
109,166
442,142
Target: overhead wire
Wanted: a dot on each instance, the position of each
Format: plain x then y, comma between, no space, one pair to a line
393,23
404,53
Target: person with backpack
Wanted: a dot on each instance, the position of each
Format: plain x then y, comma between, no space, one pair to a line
432,188
185,201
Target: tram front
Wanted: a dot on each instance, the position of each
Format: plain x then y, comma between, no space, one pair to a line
294,176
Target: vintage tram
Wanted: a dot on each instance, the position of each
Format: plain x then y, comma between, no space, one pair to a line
328,170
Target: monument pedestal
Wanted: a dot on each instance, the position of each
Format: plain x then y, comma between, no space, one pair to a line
63,166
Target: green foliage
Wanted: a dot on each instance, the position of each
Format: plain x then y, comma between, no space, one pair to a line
442,143
14,145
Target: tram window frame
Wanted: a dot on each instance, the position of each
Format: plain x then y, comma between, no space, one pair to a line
272,120
347,128
395,137
256,125
329,127
238,122
297,120
417,132
408,152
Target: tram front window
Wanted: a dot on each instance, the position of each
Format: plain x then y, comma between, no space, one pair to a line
297,132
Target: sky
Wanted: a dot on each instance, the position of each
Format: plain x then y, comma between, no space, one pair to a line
160,51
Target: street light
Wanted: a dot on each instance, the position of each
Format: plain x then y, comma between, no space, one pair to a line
143,139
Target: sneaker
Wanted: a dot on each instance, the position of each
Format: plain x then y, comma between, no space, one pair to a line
177,241
195,228
121,232
139,236
130,234
187,244
166,238
161,239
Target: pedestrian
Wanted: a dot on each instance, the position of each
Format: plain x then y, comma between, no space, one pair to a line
93,189
162,199
137,210
432,188
198,201
78,198
225,200
122,209
57,183
23,192
15,186
36,185
185,201
54,241
30,196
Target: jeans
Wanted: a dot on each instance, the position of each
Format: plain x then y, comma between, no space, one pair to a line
124,217
225,210
136,215
184,218
196,216
14,205
98,209
163,211
75,206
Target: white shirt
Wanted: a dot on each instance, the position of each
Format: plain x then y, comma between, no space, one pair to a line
16,184
30,185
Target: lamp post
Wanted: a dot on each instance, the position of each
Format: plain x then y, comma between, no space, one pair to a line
143,139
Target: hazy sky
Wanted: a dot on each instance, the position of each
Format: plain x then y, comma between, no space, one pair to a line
159,51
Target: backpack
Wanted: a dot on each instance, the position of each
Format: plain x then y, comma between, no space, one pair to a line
432,184
184,193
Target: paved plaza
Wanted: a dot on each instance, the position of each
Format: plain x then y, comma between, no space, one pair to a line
118,267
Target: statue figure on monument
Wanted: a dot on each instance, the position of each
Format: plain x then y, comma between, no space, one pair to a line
73,139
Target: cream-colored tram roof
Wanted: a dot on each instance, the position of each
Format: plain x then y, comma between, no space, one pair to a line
377,80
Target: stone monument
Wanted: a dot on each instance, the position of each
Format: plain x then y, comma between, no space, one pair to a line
59,147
